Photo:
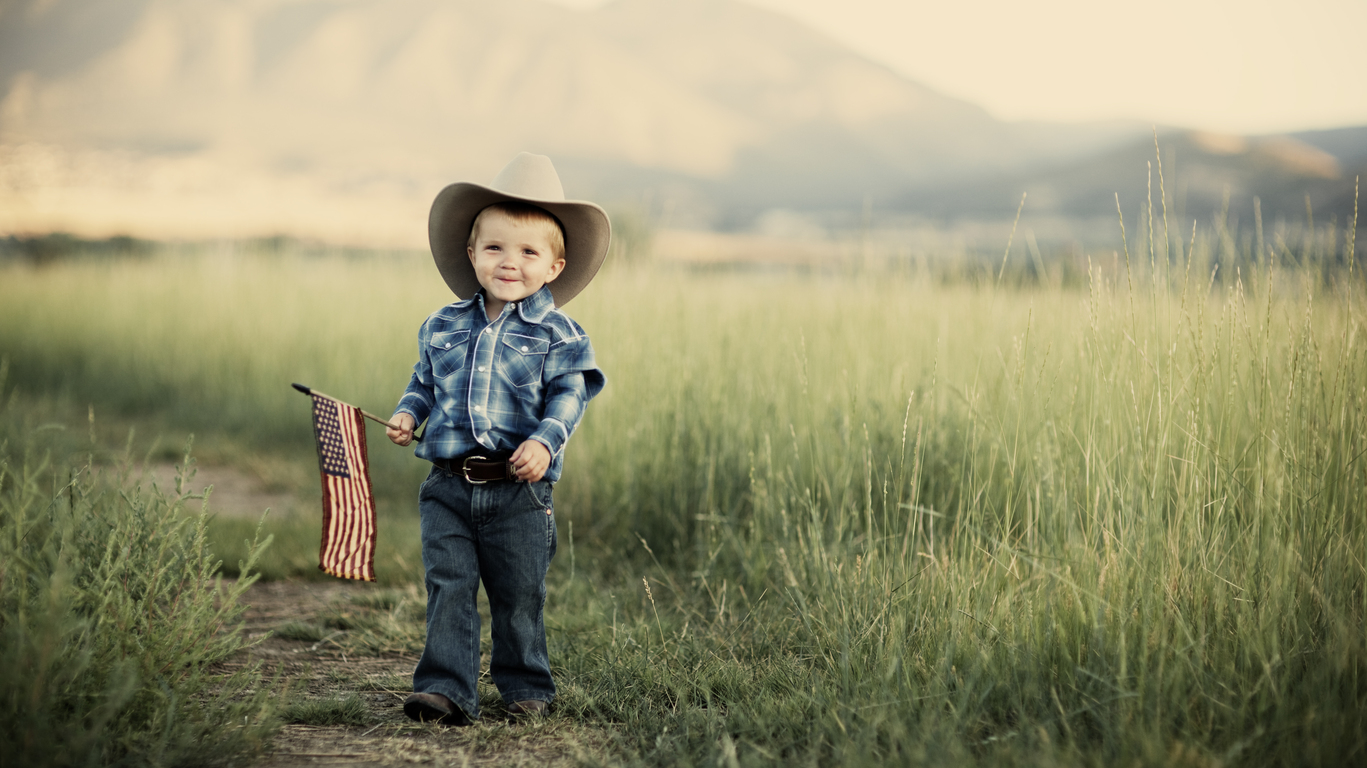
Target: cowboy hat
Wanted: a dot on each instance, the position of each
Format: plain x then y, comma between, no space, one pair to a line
527,179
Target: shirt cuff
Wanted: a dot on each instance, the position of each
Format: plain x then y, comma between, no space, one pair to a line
551,434
413,406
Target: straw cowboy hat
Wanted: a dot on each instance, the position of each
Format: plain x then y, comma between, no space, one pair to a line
528,179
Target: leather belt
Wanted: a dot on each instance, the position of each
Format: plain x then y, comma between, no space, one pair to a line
479,468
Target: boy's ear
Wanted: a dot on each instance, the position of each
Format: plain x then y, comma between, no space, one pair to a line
556,269
471,253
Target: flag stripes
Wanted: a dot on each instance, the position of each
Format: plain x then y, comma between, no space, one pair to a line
348,545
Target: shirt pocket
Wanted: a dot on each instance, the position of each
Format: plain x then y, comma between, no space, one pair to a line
447,352
521,359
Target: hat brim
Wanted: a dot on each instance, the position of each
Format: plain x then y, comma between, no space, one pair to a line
587,234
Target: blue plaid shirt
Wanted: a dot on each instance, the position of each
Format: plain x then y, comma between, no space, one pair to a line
485,385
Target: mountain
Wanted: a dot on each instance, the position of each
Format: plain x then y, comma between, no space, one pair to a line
828,127
1203,174
1347,145
340,119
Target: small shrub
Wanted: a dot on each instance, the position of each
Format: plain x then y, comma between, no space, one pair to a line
111,617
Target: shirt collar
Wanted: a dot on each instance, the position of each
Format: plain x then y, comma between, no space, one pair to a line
533,309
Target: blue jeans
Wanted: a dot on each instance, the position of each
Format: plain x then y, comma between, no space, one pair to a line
502,533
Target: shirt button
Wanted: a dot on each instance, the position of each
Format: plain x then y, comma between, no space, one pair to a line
488,330
479,407
524,349
481,369
448,345
512,305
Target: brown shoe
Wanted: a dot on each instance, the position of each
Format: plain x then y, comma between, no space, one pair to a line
434,708
529,708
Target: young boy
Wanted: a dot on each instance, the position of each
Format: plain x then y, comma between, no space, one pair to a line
502,380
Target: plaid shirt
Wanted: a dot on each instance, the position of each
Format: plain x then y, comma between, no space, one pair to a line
485,385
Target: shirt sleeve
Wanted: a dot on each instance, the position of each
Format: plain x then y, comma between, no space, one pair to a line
572,380
419,398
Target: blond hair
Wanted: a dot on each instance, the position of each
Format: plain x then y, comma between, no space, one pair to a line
525,213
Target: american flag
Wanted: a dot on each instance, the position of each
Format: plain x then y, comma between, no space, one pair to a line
348,548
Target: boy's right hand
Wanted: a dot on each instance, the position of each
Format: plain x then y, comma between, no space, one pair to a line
404,434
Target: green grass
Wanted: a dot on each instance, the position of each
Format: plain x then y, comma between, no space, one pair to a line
294,552
386,682
112,617
300,630
335,710
879,519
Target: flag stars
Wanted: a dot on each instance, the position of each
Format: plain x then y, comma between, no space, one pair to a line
328,429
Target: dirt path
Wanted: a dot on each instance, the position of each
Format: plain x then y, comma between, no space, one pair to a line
236,493
322,672
317,670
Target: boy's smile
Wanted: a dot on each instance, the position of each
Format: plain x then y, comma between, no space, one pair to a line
512,260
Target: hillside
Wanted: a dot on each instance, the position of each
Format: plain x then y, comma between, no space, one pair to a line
177,117
339,119
1203,174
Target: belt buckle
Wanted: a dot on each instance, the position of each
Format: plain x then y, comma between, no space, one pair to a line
465,470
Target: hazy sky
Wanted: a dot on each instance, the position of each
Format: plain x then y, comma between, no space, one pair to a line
1245,66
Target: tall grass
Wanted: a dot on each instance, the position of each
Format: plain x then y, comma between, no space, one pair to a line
1119,526
880,520
111,619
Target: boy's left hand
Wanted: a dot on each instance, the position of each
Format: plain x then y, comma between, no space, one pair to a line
530,461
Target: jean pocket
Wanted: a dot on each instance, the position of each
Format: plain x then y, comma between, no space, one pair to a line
446,350
540,494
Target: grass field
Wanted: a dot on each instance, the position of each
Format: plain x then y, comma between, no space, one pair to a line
848,518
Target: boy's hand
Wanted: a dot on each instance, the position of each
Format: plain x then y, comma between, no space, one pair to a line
530,461
404,434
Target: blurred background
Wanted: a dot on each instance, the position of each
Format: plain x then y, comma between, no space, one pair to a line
874,439
714,130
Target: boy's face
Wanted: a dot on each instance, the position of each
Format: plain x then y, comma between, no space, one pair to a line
512,260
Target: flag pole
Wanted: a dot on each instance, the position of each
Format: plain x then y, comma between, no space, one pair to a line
371,416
